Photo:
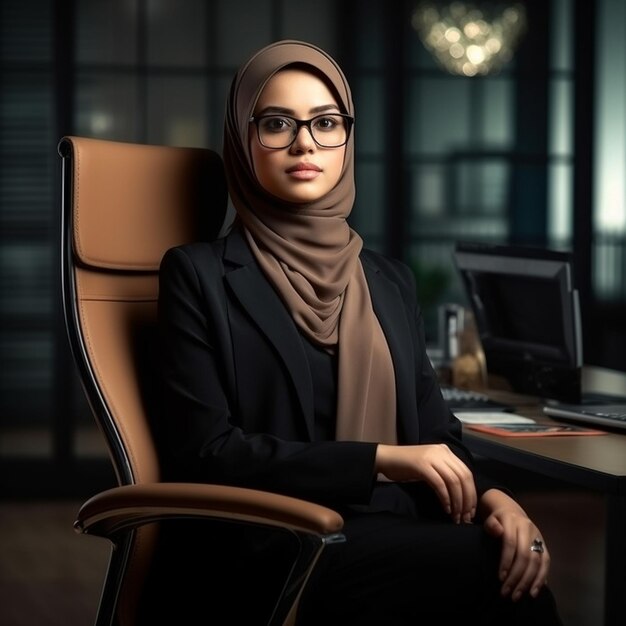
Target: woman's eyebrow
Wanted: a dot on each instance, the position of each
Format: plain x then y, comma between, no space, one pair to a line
270,110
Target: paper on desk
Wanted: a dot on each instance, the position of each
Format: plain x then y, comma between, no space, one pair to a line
492,417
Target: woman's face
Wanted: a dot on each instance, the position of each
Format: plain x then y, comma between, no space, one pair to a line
304,171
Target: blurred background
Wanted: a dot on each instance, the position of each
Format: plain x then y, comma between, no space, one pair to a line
498,122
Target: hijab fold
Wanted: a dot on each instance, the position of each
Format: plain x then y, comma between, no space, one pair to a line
309,253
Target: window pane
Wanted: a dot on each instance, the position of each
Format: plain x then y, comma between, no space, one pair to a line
26,30
244,26
314,22
28,150
367,215
106,31
610,124
438,115
496,123
443,208
177,32
369,127
560,127
369,35
560,204
609,261
480,187
561,36
25,378
26,273
177,111
428,190
107,106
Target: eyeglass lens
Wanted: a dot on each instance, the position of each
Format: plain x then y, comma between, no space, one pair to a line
279,131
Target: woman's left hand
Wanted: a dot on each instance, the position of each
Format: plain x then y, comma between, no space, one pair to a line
525,559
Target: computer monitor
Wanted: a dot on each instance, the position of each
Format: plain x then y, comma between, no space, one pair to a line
527,316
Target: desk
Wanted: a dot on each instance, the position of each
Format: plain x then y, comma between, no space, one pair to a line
596,463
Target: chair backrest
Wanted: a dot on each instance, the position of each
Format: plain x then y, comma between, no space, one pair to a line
123,206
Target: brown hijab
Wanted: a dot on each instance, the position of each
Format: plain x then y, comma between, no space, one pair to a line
310,254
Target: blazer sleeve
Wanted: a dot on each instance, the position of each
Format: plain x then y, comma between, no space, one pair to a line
201,435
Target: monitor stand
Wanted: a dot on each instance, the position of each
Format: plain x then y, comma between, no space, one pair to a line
541,380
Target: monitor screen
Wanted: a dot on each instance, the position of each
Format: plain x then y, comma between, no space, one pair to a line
527,316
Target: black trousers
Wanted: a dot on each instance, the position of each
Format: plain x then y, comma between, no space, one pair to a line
415,568
398,571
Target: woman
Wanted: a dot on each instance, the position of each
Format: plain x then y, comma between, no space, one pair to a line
294,361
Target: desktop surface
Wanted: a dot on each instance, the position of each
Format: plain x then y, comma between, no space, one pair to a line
594,462
566,458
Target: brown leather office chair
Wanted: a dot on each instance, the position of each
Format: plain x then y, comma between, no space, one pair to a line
123,205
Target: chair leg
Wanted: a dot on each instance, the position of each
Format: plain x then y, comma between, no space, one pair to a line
310,550
107,607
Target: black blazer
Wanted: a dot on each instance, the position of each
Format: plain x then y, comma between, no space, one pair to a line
237,390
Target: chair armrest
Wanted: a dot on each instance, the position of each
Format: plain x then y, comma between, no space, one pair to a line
116,509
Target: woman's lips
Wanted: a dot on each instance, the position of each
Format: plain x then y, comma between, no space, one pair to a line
304,171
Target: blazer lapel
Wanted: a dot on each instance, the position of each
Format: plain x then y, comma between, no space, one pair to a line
263,304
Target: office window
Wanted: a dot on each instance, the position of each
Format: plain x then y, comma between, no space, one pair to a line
176,33
27,153
177,111
370,125
466,154
373,124
316,22
107,32
244,26
609,215
438,115
367,216
151,71
107,105
27,274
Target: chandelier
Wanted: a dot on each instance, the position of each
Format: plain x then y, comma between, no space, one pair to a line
470,39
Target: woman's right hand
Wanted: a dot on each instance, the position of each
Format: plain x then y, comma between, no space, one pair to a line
439,467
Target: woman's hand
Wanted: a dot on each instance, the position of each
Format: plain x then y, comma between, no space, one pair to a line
438,466
522,569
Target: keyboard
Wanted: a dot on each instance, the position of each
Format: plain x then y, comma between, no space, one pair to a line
599,415
466,400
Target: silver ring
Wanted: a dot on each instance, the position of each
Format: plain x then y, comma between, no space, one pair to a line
537,546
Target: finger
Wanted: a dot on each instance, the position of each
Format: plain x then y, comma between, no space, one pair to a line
433,478
470,497
527,574
453,479
541,578
461,481
526,568
493,526
518,562
509,543
454,486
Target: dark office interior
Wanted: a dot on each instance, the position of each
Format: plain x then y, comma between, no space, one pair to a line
531,152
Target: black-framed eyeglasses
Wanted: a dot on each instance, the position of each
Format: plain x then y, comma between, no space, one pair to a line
329,130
